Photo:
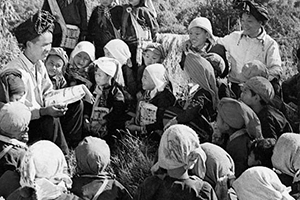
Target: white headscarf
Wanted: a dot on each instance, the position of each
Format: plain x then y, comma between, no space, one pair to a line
158,74
83,46
180,147
45,164
260,183
111,67
119,50
286,155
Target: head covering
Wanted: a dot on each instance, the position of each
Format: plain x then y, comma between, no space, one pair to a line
92,156
180,147
201,72
204,23
157,48
238,115
60,52
260,183
219,168
10,83
14,119
254,68
256,9
158,74
111,67
119,50
35,26
45,164
286,155
83,46
217,62
262,87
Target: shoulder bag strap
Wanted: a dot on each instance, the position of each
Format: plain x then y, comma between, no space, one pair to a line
100,189
57,12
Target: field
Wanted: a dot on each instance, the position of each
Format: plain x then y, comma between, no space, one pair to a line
132,158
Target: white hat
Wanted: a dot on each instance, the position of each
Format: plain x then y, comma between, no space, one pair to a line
204,23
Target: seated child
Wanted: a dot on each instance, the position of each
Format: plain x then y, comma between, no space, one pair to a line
239,122
179,150
14,120
261,151
56,60
260,183
153,53
44,174
108,113
12,87
151,108
91,181
77,71
257,93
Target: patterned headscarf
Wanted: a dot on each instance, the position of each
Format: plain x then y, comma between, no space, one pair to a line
111,67
14,119
10,83
260,183
83,46
261,86
119,50
60,52
254,68
286,155
35,26
158,74
45,164
238,115
202,73
180,147
92,156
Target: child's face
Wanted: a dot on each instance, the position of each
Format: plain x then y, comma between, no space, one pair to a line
151,58
16,97
101,77
107,53
134,2
198,36
147,81
247,97
106,2
54,65
82,59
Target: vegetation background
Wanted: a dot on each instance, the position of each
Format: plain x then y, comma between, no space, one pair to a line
132,158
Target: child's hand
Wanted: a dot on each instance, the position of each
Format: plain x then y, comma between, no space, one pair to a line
139,95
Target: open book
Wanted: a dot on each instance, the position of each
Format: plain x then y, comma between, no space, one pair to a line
68,95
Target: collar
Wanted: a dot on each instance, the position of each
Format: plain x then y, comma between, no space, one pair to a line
237,134
261,37
27,62
12,141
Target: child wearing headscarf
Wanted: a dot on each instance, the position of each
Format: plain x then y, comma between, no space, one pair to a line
56,60
104,25
77,71
151,108
108,113
91,181
12,87
286,160
260,183
44,174
258,93
123,55
14,121
239,124
198,108
179,150
220,169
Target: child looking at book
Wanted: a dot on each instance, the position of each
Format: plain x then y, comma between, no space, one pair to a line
77,71
55,61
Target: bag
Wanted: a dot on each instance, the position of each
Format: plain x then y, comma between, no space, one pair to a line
71,37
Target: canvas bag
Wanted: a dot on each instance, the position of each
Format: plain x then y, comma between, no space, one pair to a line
70,33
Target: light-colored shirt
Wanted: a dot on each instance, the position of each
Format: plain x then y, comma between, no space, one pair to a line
244,49
36,80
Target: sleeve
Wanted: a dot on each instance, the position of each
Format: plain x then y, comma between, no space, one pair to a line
83,17
118,105
116,15
226,41
273,60
207,192
123,193
91,26
200,99
147,189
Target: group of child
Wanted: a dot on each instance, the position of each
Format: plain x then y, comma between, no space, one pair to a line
194,160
